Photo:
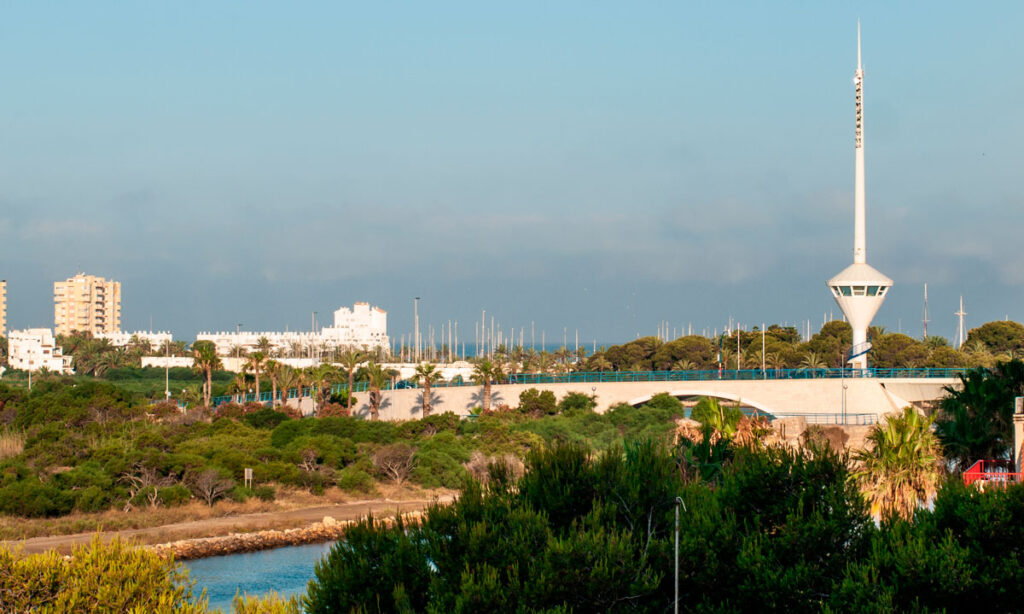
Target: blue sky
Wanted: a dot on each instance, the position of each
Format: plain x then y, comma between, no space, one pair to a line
591,165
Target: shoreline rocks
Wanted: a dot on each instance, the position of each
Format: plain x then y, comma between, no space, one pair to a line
327,529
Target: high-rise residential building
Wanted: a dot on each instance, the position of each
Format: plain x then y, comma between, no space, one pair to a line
3,307
86,303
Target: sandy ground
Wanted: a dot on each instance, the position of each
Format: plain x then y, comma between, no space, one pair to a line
224,525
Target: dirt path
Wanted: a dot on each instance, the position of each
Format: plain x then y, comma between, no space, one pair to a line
210,527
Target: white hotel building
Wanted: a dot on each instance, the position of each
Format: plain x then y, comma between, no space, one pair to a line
33,349
362,326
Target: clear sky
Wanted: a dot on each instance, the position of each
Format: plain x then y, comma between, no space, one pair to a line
592,165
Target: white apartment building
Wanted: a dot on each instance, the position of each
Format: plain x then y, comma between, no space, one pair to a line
123,338
36,348
361,326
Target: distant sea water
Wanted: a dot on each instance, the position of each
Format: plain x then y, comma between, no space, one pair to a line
471,349
286,570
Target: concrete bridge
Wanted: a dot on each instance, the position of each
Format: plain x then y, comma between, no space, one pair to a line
866,399
820,395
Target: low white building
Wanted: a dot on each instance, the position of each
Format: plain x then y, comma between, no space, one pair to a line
36,348
168,361
362,326
123,338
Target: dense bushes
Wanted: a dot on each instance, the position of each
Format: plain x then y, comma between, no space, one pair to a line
97,578
779,530
118,453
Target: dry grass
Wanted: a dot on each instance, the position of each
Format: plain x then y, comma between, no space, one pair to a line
12,442
113,520
13,528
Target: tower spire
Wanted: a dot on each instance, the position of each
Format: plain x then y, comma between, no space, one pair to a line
859,289
859,242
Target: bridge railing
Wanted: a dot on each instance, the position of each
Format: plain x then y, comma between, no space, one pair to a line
846,419
601,377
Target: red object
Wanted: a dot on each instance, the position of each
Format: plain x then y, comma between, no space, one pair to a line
992,473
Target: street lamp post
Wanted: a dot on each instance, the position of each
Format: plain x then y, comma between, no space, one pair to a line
675,603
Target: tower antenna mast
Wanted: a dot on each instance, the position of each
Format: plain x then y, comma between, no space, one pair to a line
960,326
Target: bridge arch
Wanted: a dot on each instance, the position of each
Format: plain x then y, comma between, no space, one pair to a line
716,394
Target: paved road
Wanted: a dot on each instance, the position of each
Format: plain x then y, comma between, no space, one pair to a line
210,527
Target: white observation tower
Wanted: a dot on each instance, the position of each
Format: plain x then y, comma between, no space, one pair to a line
859,289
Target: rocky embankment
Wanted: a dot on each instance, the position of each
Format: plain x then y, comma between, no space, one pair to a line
328,529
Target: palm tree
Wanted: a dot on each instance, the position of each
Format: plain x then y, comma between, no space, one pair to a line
721,419
319,378
350,359
264,345
257,364
273,370
600,363
378,378
900,470
484,374
287,378
684,365
239,385
811,360
427,375
205,361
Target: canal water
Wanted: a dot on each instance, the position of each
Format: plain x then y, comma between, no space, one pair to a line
285,570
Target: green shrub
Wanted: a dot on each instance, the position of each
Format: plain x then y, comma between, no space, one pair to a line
576,403
285,432
35,499
434,423
267,603
92,499
537,403
171,496
239,493
265,492
265,418
97,577
355,479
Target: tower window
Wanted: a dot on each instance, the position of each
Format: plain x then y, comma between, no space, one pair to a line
859,290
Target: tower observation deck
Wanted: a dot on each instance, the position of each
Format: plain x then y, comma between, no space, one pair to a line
859,289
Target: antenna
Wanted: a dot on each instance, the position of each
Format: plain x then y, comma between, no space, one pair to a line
924,320
960,328
859,243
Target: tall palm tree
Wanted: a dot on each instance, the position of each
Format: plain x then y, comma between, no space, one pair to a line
427,375
287,378
350,359
273,370
205,361
378,378
319,379
900,469
256,362
484,374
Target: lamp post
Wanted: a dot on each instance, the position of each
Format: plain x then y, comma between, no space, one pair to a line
675,603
